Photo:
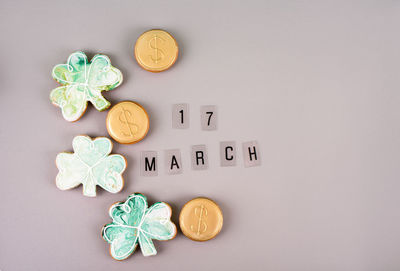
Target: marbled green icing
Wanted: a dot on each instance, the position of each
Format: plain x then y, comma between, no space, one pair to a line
90,165
134,223
83,81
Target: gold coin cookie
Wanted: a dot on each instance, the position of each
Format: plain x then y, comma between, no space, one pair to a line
201,219
127,122
156,50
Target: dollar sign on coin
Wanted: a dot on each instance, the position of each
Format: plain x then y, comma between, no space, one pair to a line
201,219
127,122
126,118
154,44
156,50
201,226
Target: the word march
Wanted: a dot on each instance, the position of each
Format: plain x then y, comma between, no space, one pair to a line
149,165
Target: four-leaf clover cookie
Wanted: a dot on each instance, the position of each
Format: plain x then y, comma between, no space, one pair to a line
134,223
83,81
91,164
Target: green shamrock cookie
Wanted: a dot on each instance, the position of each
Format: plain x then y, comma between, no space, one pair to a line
83,81
90,165
134,223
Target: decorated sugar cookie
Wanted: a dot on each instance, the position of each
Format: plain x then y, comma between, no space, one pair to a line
127,122
83,81
201,219
91,164
133,223
156,50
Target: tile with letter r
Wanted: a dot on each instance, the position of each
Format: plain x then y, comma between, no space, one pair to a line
199,157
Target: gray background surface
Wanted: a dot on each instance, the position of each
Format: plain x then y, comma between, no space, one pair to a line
315,82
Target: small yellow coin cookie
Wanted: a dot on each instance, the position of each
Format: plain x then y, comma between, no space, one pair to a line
127,122
201,219
156,50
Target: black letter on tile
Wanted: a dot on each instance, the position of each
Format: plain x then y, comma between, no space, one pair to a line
227,152
228,158
198,157
148,166
148,163
251,153
174,162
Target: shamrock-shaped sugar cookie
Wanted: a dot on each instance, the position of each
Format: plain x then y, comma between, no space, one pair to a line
134,223
90,165
83,81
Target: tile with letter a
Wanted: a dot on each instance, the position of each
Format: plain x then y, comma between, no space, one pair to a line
199,157
227,151
180,116
209,117
148,163
251,154
173,161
